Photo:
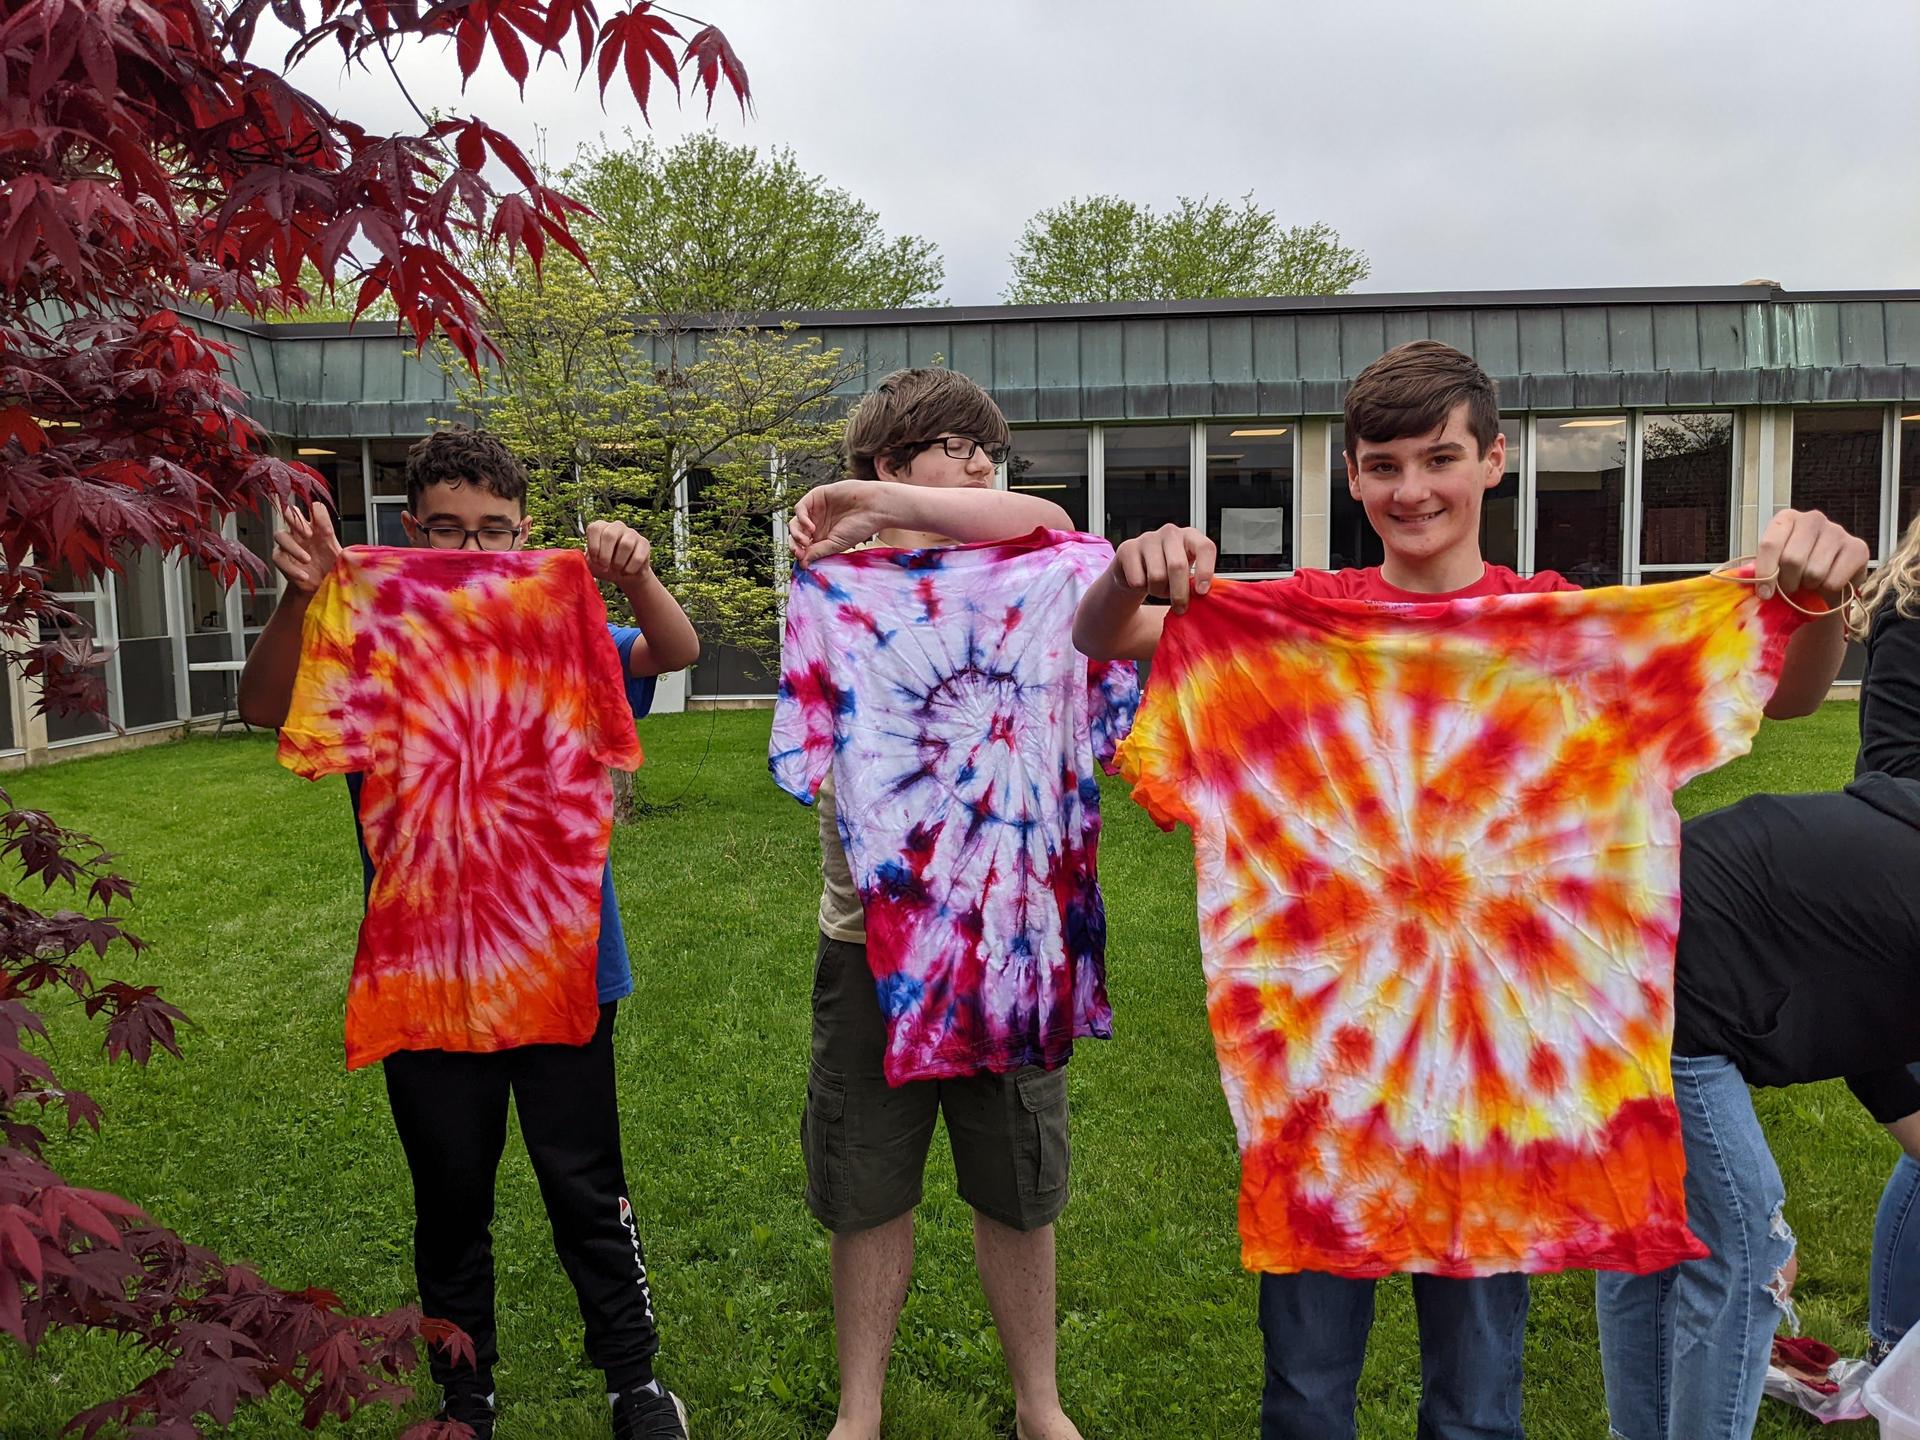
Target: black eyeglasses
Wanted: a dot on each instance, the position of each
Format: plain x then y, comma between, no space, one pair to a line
959,447
487,537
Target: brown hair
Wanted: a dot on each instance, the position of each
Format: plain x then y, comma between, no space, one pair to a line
911,406
458,456
1896,583
1413,388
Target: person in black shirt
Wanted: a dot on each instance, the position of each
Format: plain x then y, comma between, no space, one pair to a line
1798,960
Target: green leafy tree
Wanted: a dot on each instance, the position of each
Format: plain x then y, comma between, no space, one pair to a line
711,227
1102,247
696,437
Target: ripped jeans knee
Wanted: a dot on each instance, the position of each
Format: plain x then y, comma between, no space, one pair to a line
1786,1268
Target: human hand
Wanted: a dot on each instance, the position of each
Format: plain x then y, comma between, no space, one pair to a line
1172,563
305,549
617,552
833,518
1803,550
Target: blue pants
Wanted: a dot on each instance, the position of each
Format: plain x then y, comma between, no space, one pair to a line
1471,1336
1893,1304
1685,1349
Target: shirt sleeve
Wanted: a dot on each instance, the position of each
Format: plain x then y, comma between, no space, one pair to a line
607,714
640,688
340,697
1113,699
1700,659
1890,699
1888,1094
812,700
1157,753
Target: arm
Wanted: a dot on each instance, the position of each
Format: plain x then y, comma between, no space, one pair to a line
304,551
622,555
1114,622
1907,1131
1803,550
831,518
1890,699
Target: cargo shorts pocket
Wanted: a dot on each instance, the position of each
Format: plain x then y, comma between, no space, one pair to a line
823,1140
1042,1140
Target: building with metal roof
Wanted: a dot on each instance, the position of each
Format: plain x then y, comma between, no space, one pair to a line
1651,432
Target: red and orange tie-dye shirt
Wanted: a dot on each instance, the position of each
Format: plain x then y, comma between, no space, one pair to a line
1438,871
481,696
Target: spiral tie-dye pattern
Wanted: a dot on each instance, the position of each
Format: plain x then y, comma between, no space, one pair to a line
1438,866
962,729
481,697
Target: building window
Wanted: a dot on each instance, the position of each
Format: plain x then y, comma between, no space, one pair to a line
1251,495
1837,465
1580,486
1149,478
1909,467
1353,541
1053,465
80,630
1686,490
338,462
145,643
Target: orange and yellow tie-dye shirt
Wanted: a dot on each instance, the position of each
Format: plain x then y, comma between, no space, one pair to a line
481,696
1438,867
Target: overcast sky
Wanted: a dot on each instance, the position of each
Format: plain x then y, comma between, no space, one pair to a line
1465,144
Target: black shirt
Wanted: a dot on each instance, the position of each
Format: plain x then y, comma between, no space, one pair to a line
1799,953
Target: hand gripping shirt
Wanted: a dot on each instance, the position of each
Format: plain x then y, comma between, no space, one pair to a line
482,697
1438,868
942,690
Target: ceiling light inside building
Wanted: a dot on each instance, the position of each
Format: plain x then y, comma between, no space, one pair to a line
1593,424
314,450
1049,485
1250,434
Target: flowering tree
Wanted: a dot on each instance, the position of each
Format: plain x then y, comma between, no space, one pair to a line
148,165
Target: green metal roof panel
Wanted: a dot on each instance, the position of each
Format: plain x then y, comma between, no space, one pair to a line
1184,360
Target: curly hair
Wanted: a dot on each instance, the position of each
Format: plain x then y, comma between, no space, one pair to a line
458,456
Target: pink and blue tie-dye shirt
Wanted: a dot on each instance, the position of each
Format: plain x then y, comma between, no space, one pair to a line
962,729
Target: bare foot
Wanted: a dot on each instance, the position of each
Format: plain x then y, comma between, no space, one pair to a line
1055,1426
848,1429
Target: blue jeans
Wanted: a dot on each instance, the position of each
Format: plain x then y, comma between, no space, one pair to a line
1685,1349
1471,1335
1893,1303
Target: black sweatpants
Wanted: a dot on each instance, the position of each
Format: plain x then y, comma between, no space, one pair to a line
451,1112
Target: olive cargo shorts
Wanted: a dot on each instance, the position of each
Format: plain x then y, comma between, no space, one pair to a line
866,1142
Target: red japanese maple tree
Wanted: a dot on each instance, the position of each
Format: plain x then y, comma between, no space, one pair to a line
149,166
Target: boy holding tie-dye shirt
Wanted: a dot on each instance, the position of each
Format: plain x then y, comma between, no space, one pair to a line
441,993
923,448
1358,1156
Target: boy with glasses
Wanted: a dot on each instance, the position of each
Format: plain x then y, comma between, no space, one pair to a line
466,491
922,448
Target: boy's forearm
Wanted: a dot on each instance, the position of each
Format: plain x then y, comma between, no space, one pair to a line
1114,622
672,643
968,515
266,684
1807,671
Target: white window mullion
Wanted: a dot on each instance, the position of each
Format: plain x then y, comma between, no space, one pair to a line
1097,479
1197,463
1632,501
1528,500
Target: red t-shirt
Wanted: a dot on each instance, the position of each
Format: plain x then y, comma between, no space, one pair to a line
1367,584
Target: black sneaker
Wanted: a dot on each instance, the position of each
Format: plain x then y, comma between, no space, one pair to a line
468,1408
649,1415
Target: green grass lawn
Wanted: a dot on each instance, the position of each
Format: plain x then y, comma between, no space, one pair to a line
260,1144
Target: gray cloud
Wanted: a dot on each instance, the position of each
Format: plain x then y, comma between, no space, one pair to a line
1474,144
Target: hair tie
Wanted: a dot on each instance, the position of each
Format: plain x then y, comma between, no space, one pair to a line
1850,596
